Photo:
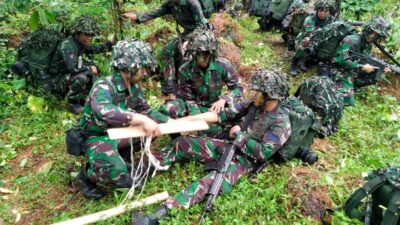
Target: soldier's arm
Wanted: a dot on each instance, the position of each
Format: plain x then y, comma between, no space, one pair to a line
144,108
342,56
308,26
105,110
234,112
161,11
185,90
71,57
232,81
91,49
198,13
272,140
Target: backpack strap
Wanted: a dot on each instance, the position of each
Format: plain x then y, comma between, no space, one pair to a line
392,212
351,204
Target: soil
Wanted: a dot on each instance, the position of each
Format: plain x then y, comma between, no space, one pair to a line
231,52
160,35
225,26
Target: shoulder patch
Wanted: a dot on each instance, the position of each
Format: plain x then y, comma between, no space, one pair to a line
272,137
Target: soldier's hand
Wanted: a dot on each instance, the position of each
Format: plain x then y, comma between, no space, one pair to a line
369,68
151,127
131,16
387,70
217,106
233,130
172,96
94,70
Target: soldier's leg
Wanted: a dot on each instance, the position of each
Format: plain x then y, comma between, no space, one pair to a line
197,191
170,58
345,84
79,87
188,148
175,109
105,163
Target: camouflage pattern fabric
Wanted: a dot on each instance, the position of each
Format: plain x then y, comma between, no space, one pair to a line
275,133
272,82
378,25
71,77
85,25
346,68
110,105
311,23
187,13
298,7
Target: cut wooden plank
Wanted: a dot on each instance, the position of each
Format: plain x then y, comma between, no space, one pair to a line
177,126
102,215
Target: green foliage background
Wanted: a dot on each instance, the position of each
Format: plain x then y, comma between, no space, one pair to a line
33,157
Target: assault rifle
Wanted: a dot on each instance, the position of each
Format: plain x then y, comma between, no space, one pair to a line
219,173
356,23
375,62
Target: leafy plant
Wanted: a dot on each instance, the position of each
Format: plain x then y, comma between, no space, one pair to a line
358,7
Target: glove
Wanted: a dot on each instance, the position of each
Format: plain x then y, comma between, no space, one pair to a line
210,26
169,87
241,139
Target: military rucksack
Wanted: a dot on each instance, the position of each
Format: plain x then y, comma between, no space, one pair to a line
321,95
259,7
36,51
382,192
279,8
302,122
324,41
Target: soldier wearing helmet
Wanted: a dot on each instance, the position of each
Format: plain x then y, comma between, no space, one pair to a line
201,81
348,71
72,74
189,15
263,129
324,9
116,101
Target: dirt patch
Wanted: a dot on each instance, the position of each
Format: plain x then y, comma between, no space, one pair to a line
244,73
311,198
160,35
225,26
323,145
230,51
15,41
392,86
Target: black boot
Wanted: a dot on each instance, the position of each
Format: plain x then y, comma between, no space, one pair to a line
293,67
88,188
139,218
125,181
74,108
302,65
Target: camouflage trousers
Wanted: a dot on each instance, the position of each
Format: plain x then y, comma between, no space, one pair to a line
301,46
75,87
105,162
180,108
171,59
203,150
344,81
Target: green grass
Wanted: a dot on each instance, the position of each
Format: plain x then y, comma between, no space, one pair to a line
367,139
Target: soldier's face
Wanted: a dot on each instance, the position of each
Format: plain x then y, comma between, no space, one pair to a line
372,37
203,58
138,75
257,97
85,39
323,13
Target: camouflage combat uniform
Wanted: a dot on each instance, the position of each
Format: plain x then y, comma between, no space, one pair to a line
346,68
111,104
189,15
293,21
72,75
253,145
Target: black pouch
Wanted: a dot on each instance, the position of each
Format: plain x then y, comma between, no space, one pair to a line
75,139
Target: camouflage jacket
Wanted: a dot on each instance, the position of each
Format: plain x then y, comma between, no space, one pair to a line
66,57
312,23
187,13
111,105
296,6
262,133
205,87
356,43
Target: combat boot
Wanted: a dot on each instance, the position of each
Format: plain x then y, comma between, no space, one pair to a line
293,67
88,188
75,108
139,218
302,65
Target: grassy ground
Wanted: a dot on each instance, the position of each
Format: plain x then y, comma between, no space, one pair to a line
35,166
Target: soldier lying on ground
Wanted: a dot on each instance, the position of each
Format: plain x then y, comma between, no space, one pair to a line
264,129
201,81
116,101
74,76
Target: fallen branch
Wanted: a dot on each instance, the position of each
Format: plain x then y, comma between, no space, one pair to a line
103,215
177,126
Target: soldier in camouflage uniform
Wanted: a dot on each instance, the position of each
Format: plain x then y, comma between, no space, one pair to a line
264,129
346,68
189,15
291,23
73,75
324,10
201,81
116,101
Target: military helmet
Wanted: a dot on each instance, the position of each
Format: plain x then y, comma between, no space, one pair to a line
202,40
325,4
378,25
131,54
85,25
272,82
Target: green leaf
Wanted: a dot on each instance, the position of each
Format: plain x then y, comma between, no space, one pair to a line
51,17
36,104
45,168
34,21
19,84
42,16
23,163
